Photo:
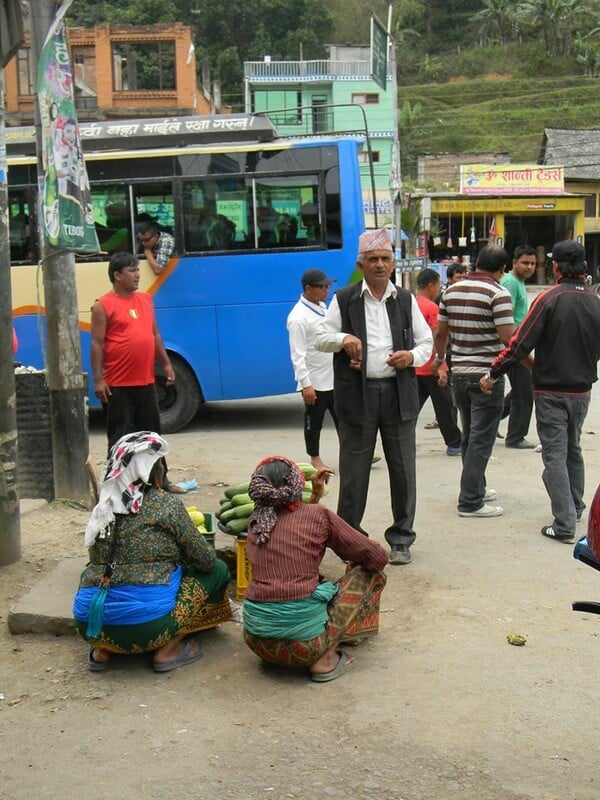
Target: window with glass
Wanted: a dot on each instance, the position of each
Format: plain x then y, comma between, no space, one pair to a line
21,226
590,205
365,98
363,156
112,216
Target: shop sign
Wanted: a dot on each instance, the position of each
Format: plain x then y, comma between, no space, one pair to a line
479,179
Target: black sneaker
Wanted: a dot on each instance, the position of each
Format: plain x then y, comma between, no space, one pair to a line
549,531
400,554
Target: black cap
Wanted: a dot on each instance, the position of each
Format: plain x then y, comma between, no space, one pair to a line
316,277
568,252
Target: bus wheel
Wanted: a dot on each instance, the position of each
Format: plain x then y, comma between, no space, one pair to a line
179,403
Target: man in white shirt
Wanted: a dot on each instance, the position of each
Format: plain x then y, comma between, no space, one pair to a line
378,335
313,370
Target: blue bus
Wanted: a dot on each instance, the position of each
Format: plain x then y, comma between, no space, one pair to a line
249,212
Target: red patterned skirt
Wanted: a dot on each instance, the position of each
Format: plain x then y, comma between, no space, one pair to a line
353,614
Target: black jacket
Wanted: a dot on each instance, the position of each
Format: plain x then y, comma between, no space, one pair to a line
563,327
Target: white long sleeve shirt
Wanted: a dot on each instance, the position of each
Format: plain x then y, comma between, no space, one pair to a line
311,367
329,336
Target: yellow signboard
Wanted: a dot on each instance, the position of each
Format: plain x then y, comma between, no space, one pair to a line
478,179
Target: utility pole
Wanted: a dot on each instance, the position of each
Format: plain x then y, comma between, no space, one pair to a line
70,447
10,520
11,38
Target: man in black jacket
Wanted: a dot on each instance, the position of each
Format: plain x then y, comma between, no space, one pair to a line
563,326
378,336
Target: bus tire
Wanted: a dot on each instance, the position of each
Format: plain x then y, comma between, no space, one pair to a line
178,404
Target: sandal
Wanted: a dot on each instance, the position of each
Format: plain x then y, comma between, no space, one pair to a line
188,655
344,664
96,666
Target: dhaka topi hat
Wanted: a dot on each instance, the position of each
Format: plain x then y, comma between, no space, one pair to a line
374,240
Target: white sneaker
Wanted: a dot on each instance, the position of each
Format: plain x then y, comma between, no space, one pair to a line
484,511
490,494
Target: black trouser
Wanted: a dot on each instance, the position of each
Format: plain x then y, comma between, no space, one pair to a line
357,444
132,408
520,402
445,413
313,420
129,409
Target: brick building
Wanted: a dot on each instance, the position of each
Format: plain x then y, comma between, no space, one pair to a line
119,71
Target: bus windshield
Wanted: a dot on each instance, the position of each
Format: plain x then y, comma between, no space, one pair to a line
247,219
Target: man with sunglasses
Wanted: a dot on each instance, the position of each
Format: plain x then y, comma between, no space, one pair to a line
158,246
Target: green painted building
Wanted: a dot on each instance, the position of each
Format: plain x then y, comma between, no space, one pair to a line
333,95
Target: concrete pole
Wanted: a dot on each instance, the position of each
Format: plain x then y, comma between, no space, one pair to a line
70,446
10,520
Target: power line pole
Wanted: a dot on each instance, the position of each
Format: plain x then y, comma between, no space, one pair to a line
10,520
66,382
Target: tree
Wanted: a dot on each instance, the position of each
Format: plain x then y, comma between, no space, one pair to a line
557,21
496,21
132,12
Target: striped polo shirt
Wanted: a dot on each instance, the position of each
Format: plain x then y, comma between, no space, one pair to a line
473,308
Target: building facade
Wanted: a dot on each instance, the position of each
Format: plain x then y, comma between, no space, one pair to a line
119,71
333,95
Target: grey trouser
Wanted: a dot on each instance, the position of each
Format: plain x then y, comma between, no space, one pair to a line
560,418
480,414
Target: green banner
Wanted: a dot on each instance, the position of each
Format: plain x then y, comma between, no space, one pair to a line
66,208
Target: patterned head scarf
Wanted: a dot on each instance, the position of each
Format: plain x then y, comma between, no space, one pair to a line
268,499
374,240
126,475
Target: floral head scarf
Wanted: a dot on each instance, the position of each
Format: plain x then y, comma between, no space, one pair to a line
268,499
126,474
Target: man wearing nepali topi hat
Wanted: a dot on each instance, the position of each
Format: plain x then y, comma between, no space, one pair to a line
378,335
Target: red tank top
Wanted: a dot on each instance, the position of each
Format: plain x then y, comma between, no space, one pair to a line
129,345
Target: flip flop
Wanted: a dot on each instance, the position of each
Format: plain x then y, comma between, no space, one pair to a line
342,666
188,656
96,666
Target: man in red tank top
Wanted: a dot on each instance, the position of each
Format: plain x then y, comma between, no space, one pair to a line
125,344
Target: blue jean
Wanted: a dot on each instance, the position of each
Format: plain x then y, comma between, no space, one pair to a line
560,419
480,415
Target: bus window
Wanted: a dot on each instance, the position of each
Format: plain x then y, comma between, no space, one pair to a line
19,226
281,216
112,218
154,203
215,214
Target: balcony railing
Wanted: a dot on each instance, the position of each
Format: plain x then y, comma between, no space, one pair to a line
305,70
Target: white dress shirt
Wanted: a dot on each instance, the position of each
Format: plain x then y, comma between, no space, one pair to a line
329,336
311,367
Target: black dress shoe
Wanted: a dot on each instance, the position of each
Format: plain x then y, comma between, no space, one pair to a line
400,554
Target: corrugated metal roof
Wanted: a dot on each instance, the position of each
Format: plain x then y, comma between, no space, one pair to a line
577,150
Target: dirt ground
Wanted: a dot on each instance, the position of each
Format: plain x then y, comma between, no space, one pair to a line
438,706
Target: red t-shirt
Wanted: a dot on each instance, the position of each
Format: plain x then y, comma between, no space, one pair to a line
430,311
129,344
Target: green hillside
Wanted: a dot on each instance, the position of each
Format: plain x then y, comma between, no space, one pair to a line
504,108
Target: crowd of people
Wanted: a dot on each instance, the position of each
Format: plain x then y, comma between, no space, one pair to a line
371,358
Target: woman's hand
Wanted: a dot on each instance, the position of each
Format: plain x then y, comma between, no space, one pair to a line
318,480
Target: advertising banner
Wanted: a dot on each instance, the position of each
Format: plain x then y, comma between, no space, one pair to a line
505,179
66,207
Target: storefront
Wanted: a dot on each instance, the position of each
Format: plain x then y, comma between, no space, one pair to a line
504,204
